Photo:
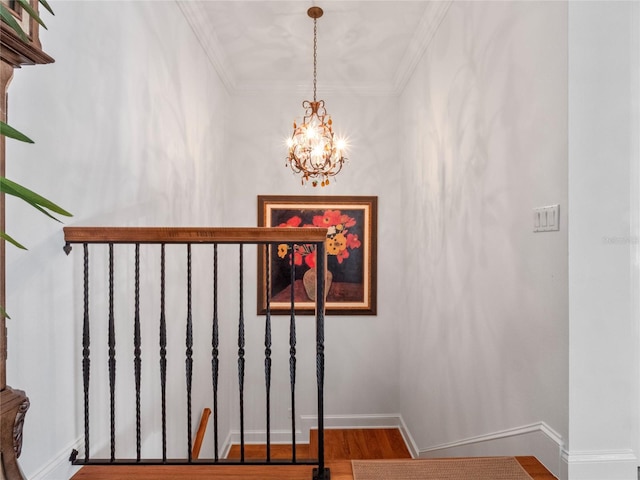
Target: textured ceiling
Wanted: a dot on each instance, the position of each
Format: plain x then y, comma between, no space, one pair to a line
369,47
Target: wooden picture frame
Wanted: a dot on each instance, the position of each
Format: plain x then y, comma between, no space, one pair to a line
351,251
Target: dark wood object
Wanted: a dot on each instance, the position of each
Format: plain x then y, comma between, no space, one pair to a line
13,403
13,408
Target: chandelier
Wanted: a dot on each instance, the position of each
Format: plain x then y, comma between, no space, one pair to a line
314,153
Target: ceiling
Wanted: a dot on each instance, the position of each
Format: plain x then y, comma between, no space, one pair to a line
263,46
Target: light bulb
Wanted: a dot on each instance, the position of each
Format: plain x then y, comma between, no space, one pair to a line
317,151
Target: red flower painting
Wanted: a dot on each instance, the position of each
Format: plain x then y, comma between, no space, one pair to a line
339,241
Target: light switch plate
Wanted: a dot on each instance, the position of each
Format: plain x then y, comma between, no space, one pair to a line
546,219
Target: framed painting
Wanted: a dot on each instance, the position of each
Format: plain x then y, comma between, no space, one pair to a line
351,224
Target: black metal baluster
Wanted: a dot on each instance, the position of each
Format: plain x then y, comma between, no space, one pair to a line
241,360
112,358
137,361
189,351
292,356
214,351
86,360
163,354
321,473
267,349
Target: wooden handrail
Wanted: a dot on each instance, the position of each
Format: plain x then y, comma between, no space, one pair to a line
193,235
202,428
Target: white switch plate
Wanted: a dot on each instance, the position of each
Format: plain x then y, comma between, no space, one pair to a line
546,219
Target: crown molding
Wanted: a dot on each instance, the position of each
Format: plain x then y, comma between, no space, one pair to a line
431,20
195,14
429,24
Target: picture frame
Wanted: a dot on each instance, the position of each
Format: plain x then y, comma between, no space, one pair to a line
352,223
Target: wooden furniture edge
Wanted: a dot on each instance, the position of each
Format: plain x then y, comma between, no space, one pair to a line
15,52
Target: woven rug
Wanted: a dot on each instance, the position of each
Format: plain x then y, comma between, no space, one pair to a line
485,468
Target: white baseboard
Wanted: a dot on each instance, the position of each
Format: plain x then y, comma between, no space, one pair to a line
308,422
537,439
599,465
60,467
393,420
259,437
226,446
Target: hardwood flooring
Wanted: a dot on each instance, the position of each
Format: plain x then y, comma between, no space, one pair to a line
341,446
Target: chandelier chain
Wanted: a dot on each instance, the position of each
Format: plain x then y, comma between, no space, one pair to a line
315,56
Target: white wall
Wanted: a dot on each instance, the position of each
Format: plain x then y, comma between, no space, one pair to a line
130,126
361,351
145,129
484,324
604,58
473,346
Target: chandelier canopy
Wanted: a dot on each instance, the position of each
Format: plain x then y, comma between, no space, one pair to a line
314,153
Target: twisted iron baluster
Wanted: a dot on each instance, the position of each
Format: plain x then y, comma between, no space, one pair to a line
163,354
214,351
267,349
112,358
320,301
137,351
241,360
292,357
189,351
86,360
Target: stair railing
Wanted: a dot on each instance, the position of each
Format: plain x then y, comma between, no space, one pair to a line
265,238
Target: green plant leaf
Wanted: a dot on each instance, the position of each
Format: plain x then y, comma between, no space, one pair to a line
7,186
9,131
11,240
5,14
45,4
31,197
32,13
42,210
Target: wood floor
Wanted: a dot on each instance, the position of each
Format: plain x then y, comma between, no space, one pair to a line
341,446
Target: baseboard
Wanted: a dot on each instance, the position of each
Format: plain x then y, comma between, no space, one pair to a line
599,465
60,468
226,445
537,439
309,422
394,420
260,437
